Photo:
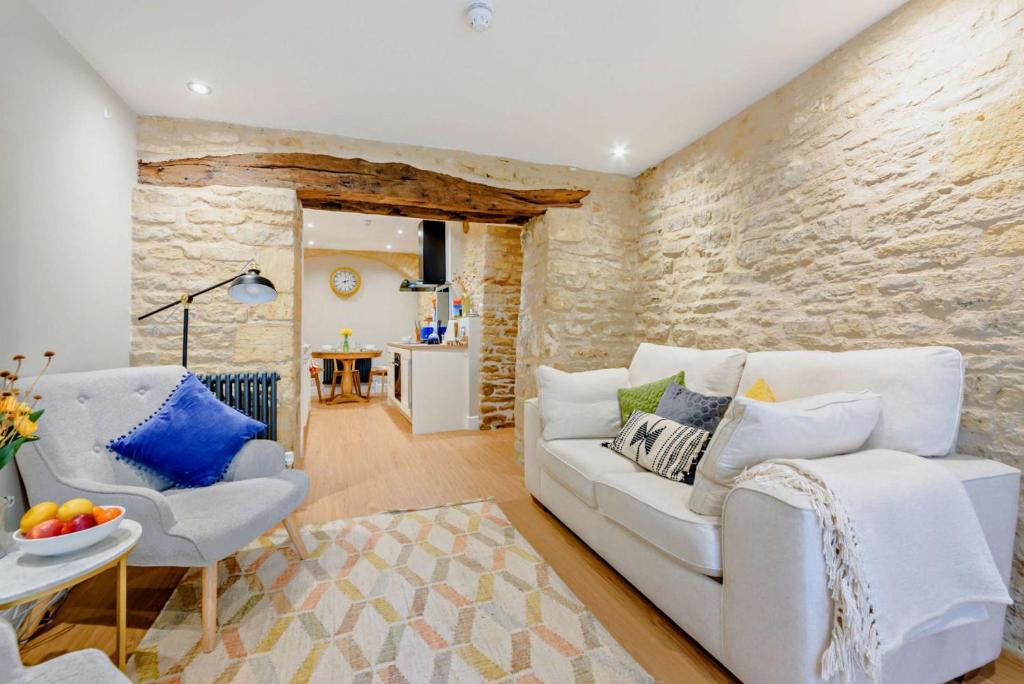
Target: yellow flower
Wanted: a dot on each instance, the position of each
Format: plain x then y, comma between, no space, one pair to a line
8,404
345,332
24,426
23,409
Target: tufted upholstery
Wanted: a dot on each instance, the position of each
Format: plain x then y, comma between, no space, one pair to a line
77,667
84,411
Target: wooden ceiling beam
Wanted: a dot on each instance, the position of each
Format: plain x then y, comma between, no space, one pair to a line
334,183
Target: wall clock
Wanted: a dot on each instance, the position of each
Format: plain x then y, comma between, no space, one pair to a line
345,281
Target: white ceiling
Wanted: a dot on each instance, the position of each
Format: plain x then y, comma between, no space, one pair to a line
558,82
342,230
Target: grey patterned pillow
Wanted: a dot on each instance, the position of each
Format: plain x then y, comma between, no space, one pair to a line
692,408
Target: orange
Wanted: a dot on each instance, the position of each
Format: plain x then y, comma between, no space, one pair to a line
103,515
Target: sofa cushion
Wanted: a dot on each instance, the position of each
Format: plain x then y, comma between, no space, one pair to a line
921,389
755,431
661,445
658,511
647,396
191,439
708,371
580,405
577,463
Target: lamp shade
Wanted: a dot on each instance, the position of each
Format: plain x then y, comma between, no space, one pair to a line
252,288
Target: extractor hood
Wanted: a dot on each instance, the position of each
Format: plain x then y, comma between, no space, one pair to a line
433,261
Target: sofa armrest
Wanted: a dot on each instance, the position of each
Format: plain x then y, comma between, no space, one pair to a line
775,605
147,506
258,458
531,434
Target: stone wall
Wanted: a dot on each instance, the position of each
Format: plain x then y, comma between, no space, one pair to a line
186,239
579,304
501,282
580,314
877,200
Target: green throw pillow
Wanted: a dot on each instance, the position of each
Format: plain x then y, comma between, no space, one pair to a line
646,397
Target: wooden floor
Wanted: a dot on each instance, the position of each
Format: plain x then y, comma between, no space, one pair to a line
362,459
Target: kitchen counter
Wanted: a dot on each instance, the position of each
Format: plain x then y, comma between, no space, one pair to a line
419,346
437,386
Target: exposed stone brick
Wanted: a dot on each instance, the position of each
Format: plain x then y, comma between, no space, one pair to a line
202,247
874,201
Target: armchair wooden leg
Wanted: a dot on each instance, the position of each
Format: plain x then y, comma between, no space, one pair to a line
209,606
296,537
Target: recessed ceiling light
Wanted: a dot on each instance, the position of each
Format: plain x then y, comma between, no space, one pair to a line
619,151
399,231
309,225
310,243
199,88
389,246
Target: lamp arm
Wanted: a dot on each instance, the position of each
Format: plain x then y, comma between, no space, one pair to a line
187,299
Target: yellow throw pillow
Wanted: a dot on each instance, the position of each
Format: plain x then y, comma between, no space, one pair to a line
760,391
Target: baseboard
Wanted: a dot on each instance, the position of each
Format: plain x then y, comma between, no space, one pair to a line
472,422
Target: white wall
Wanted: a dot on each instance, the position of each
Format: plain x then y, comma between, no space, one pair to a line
66,173
377,314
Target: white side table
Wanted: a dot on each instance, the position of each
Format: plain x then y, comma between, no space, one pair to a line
29,578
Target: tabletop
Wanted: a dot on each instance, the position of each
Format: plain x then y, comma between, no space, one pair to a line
25,575
347,355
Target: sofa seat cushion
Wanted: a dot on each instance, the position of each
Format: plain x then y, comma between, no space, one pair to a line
658,511
577,463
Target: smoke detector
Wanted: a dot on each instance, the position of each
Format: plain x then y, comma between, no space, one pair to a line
479,13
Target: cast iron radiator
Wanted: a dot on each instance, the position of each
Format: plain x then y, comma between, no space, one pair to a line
254,394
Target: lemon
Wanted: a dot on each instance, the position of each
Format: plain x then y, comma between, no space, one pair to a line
41,512
72,507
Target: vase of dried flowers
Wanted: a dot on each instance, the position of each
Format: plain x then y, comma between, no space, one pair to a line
19,420
468,281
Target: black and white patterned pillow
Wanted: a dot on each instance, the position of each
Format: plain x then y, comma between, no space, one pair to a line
661,445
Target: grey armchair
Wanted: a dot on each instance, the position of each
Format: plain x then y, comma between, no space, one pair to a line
181,527
88,665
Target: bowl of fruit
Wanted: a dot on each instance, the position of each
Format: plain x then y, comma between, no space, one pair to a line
47,529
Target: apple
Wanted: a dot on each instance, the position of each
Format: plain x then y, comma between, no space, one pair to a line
47,528
80,522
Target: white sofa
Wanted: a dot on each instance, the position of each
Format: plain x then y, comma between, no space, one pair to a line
750,586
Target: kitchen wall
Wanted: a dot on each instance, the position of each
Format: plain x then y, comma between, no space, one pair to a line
66,172
877,200
379,313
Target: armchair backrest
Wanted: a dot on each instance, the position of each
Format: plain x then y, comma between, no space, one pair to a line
84,411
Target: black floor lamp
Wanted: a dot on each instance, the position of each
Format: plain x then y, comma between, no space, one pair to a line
248,287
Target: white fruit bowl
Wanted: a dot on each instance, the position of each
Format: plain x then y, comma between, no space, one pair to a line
69,543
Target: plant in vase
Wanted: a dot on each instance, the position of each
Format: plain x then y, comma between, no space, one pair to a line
345,334
19,420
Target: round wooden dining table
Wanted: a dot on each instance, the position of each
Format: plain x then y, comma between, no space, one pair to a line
349,391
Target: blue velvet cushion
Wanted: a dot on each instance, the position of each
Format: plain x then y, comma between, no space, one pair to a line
190,440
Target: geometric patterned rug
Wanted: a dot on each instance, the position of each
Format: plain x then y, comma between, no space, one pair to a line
447,594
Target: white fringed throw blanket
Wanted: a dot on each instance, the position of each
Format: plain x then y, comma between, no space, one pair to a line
905,555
